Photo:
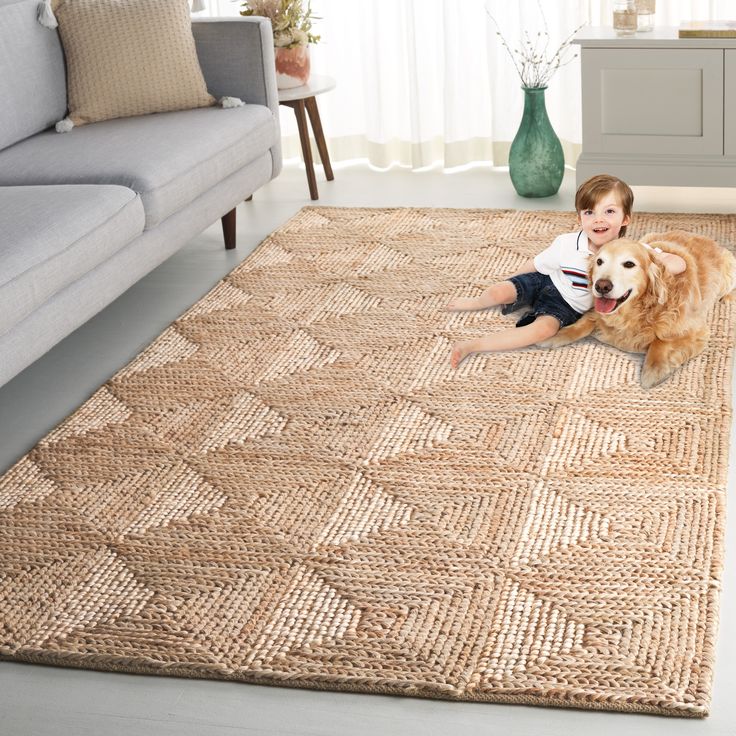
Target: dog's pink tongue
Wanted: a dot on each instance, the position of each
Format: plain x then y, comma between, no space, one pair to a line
604,305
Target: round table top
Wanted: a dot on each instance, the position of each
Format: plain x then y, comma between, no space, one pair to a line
316,85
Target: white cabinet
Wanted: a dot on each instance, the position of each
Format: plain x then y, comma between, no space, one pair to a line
657,109
729,110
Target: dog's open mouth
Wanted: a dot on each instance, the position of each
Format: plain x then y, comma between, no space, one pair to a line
606,306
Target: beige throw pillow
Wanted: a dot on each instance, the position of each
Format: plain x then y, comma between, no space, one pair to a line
129,57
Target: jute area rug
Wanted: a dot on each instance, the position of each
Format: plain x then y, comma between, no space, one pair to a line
290,486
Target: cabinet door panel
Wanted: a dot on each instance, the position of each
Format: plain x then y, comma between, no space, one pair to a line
729,113
653,101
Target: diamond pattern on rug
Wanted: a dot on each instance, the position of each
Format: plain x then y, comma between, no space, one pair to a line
171,347
417,364
273,356
310,612
528,630
137,502
323,302
408,430
223,297
364,509
580,441
291,486
24,483
554,522
100,411
382,258
247,418
79,592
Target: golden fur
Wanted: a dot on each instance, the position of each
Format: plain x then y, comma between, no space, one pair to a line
665,315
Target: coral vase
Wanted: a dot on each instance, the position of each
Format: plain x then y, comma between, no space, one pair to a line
292,66
536,161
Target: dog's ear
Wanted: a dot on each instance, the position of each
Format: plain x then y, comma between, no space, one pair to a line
656,281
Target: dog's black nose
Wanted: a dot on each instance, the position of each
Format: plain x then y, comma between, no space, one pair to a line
603,286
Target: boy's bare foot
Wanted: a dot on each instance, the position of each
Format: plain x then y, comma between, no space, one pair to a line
460,351
463,304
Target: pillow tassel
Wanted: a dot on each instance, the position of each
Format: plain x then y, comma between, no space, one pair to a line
64,126
226,102
46,15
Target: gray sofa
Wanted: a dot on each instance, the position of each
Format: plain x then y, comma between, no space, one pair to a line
85,214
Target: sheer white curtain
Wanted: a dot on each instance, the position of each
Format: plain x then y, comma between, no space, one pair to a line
427,82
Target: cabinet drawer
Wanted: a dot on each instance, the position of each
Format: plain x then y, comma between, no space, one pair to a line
729,102
653,101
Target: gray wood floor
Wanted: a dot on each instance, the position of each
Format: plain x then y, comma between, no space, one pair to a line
46,701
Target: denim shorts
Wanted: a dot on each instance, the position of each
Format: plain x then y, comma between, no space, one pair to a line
537,291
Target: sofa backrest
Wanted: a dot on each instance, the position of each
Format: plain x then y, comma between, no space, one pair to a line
32,73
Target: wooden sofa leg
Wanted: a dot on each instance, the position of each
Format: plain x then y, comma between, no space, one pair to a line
228,229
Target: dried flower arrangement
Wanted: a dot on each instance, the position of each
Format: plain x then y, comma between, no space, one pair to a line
291,23
532,62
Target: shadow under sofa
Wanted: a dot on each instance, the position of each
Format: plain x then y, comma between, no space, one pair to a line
86,214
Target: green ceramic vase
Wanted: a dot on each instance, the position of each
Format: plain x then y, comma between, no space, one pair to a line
536,161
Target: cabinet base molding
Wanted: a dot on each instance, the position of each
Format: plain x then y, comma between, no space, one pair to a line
660,171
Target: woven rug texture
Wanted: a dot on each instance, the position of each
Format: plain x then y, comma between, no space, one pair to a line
291,486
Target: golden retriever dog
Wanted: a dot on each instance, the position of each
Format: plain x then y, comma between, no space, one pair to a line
641,307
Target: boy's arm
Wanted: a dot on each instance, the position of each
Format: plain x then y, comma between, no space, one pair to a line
544,262
526,267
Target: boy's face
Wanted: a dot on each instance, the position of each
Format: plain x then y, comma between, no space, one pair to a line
604,221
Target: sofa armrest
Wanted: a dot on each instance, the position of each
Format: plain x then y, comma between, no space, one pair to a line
237,60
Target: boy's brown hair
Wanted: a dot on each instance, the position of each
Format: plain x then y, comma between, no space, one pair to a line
590,193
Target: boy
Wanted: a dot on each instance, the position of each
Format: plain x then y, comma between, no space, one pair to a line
555,282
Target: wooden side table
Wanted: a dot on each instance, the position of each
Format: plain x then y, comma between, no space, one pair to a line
301,100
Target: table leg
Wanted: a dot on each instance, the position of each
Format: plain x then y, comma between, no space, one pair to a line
319,136
301,119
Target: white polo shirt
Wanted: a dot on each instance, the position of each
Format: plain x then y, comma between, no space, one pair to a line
566,263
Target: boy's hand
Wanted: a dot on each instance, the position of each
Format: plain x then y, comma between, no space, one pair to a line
673,263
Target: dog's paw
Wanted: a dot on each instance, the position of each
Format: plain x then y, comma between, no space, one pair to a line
651,377
557,341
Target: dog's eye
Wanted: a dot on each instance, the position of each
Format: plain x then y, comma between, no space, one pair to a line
599,262
629,264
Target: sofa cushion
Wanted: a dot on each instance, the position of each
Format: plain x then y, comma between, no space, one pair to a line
168,158
32,78
129,57
52,235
